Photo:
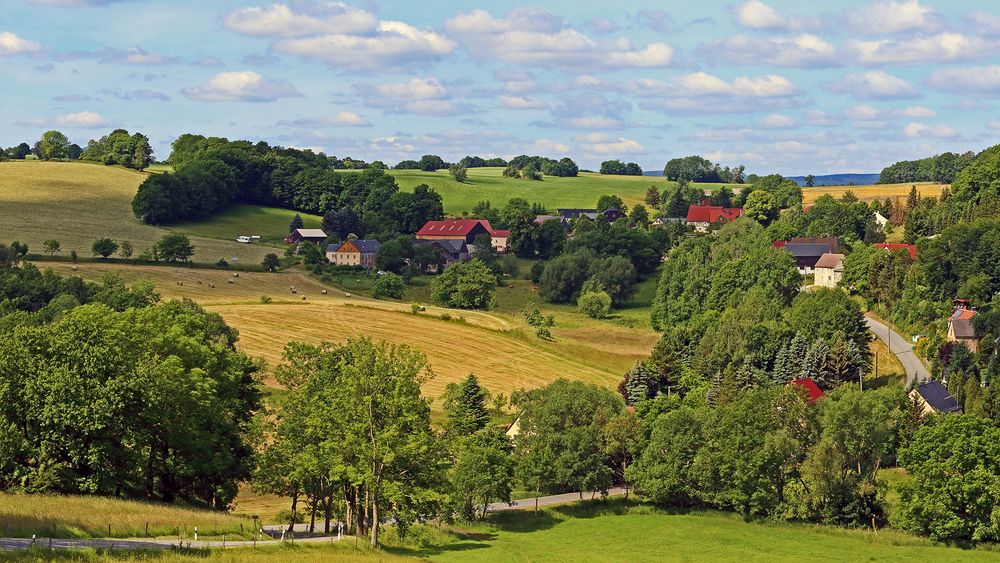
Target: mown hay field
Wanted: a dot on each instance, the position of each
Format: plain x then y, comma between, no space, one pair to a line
77,203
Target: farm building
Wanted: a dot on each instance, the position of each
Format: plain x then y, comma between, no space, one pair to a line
449,250
612,214
829,269
500,237
891,247
315,236
702,216
356,252
465,230
540,219
960,327
934,398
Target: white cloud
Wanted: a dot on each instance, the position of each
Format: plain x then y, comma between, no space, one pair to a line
601,144
341,119
755,14
776,121
700,92
873,85
865,112
818,118
941,47
985,23
545,146
419,96
802,51
79,120
522,102
11,44
340,35
535,37
413,89
279,20
892,17
241,86
974,81
921,130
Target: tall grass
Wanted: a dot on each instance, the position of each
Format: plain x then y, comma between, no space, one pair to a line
22,516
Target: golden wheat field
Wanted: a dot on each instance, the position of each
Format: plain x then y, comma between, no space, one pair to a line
873,192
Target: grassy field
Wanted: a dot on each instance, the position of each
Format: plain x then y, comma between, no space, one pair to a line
611,530
86,517
489,184
270,223
76,203
877,191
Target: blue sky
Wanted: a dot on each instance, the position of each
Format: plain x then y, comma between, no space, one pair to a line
782,86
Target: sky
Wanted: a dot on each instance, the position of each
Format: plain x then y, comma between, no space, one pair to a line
779,86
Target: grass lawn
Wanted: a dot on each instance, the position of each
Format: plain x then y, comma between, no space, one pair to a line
620,531
77,203
85,517
347,551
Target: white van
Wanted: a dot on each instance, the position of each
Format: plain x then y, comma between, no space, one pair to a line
244,239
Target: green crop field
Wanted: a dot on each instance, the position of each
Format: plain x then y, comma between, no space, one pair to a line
76,203
489,184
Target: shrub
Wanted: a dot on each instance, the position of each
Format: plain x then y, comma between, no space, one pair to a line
389,285
264,299
596,304
104,247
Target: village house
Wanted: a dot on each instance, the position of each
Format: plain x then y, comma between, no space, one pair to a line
808,250
358,252
449,251
829,269
960,327
500,237
813,392
612,214
933,398
573,214
701,217
541,219
315,236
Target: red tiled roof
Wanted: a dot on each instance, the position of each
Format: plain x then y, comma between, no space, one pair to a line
779,243
501,233
813,391
712,213
458,227
893,247
963,314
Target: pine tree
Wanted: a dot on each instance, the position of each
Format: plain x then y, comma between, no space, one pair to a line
640,383
296,223
913,199
748,376
465,405
815,365
714,396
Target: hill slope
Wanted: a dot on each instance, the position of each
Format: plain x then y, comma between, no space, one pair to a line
76,203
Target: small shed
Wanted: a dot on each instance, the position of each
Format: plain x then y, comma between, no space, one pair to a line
813,392
315,236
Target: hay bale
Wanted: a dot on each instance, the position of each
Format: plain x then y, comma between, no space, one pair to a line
236,274
347,295
323,291
211,286
230,281
303,297
199,282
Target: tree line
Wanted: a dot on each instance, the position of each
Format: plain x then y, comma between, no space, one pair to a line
941,168
119,147
213,174
699,169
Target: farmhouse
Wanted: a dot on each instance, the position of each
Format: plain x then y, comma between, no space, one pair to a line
960,327
829,269
357,252
893,247
702,216
314,236
541,219
465,230
613,214
934,398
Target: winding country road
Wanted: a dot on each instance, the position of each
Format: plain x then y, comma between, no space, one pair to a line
901,347
14,544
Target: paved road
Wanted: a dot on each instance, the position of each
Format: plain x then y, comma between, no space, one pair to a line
11,544
903,350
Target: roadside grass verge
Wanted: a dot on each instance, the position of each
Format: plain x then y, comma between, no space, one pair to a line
58,516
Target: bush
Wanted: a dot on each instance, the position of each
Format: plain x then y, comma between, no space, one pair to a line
466,285
104,247
537,269
222,263
264,299
389,285
596,305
